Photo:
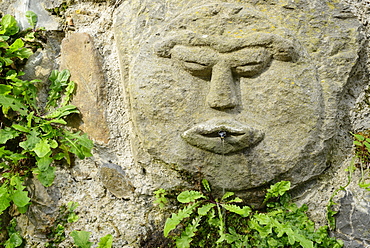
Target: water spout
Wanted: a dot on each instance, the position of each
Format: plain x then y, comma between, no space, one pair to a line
222,134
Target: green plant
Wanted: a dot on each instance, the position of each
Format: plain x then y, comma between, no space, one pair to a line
160,197
15,239
362,154
225,222
81,240
66,215
31,137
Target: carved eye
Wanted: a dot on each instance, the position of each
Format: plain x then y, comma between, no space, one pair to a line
197,69
249,70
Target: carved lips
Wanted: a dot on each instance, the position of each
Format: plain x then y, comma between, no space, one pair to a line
207,136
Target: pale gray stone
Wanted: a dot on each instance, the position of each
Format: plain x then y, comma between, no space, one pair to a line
45,19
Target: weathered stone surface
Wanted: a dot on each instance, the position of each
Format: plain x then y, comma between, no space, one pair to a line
79,56
45,19
115,180
274,76
353,220
326,35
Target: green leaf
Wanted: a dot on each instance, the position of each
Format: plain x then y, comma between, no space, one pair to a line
106,241
227,195
44,163
78,144
359,137
7,134
31,18
277,189
4,198
68,93
72,217
357,143
20,198
22,210
244,212
81,239
15,240
9,25
205,208
61,112
5,89
42,148
189,196
46,177
20,128
17,44
31,141
10,102
236,199
175,219
206,185
188,234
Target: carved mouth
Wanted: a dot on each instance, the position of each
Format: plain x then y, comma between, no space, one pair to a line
222,136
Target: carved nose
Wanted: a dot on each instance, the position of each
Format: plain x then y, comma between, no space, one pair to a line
222,92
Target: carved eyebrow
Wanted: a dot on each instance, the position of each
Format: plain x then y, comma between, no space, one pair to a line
281,48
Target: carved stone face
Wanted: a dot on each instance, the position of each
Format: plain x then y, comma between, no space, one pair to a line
223,92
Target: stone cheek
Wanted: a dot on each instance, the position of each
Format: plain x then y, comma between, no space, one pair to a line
80,57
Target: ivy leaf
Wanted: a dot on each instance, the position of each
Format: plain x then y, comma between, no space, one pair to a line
5,89
15,240
189,196
4,198
42,148
7,134
106,241
81,239
10,102
31,18
31,141
20,198
46,177
44,162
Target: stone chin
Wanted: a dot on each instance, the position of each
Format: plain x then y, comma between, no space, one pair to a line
236,136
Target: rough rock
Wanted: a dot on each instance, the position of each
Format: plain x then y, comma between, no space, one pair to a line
115,180
80,57
45,19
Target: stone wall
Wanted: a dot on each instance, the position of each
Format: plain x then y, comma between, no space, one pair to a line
98,40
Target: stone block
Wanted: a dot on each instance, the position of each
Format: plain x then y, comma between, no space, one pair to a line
80,57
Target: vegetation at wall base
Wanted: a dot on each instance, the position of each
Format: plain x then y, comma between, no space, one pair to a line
207,222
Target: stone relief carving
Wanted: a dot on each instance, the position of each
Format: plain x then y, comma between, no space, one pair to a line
226,68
